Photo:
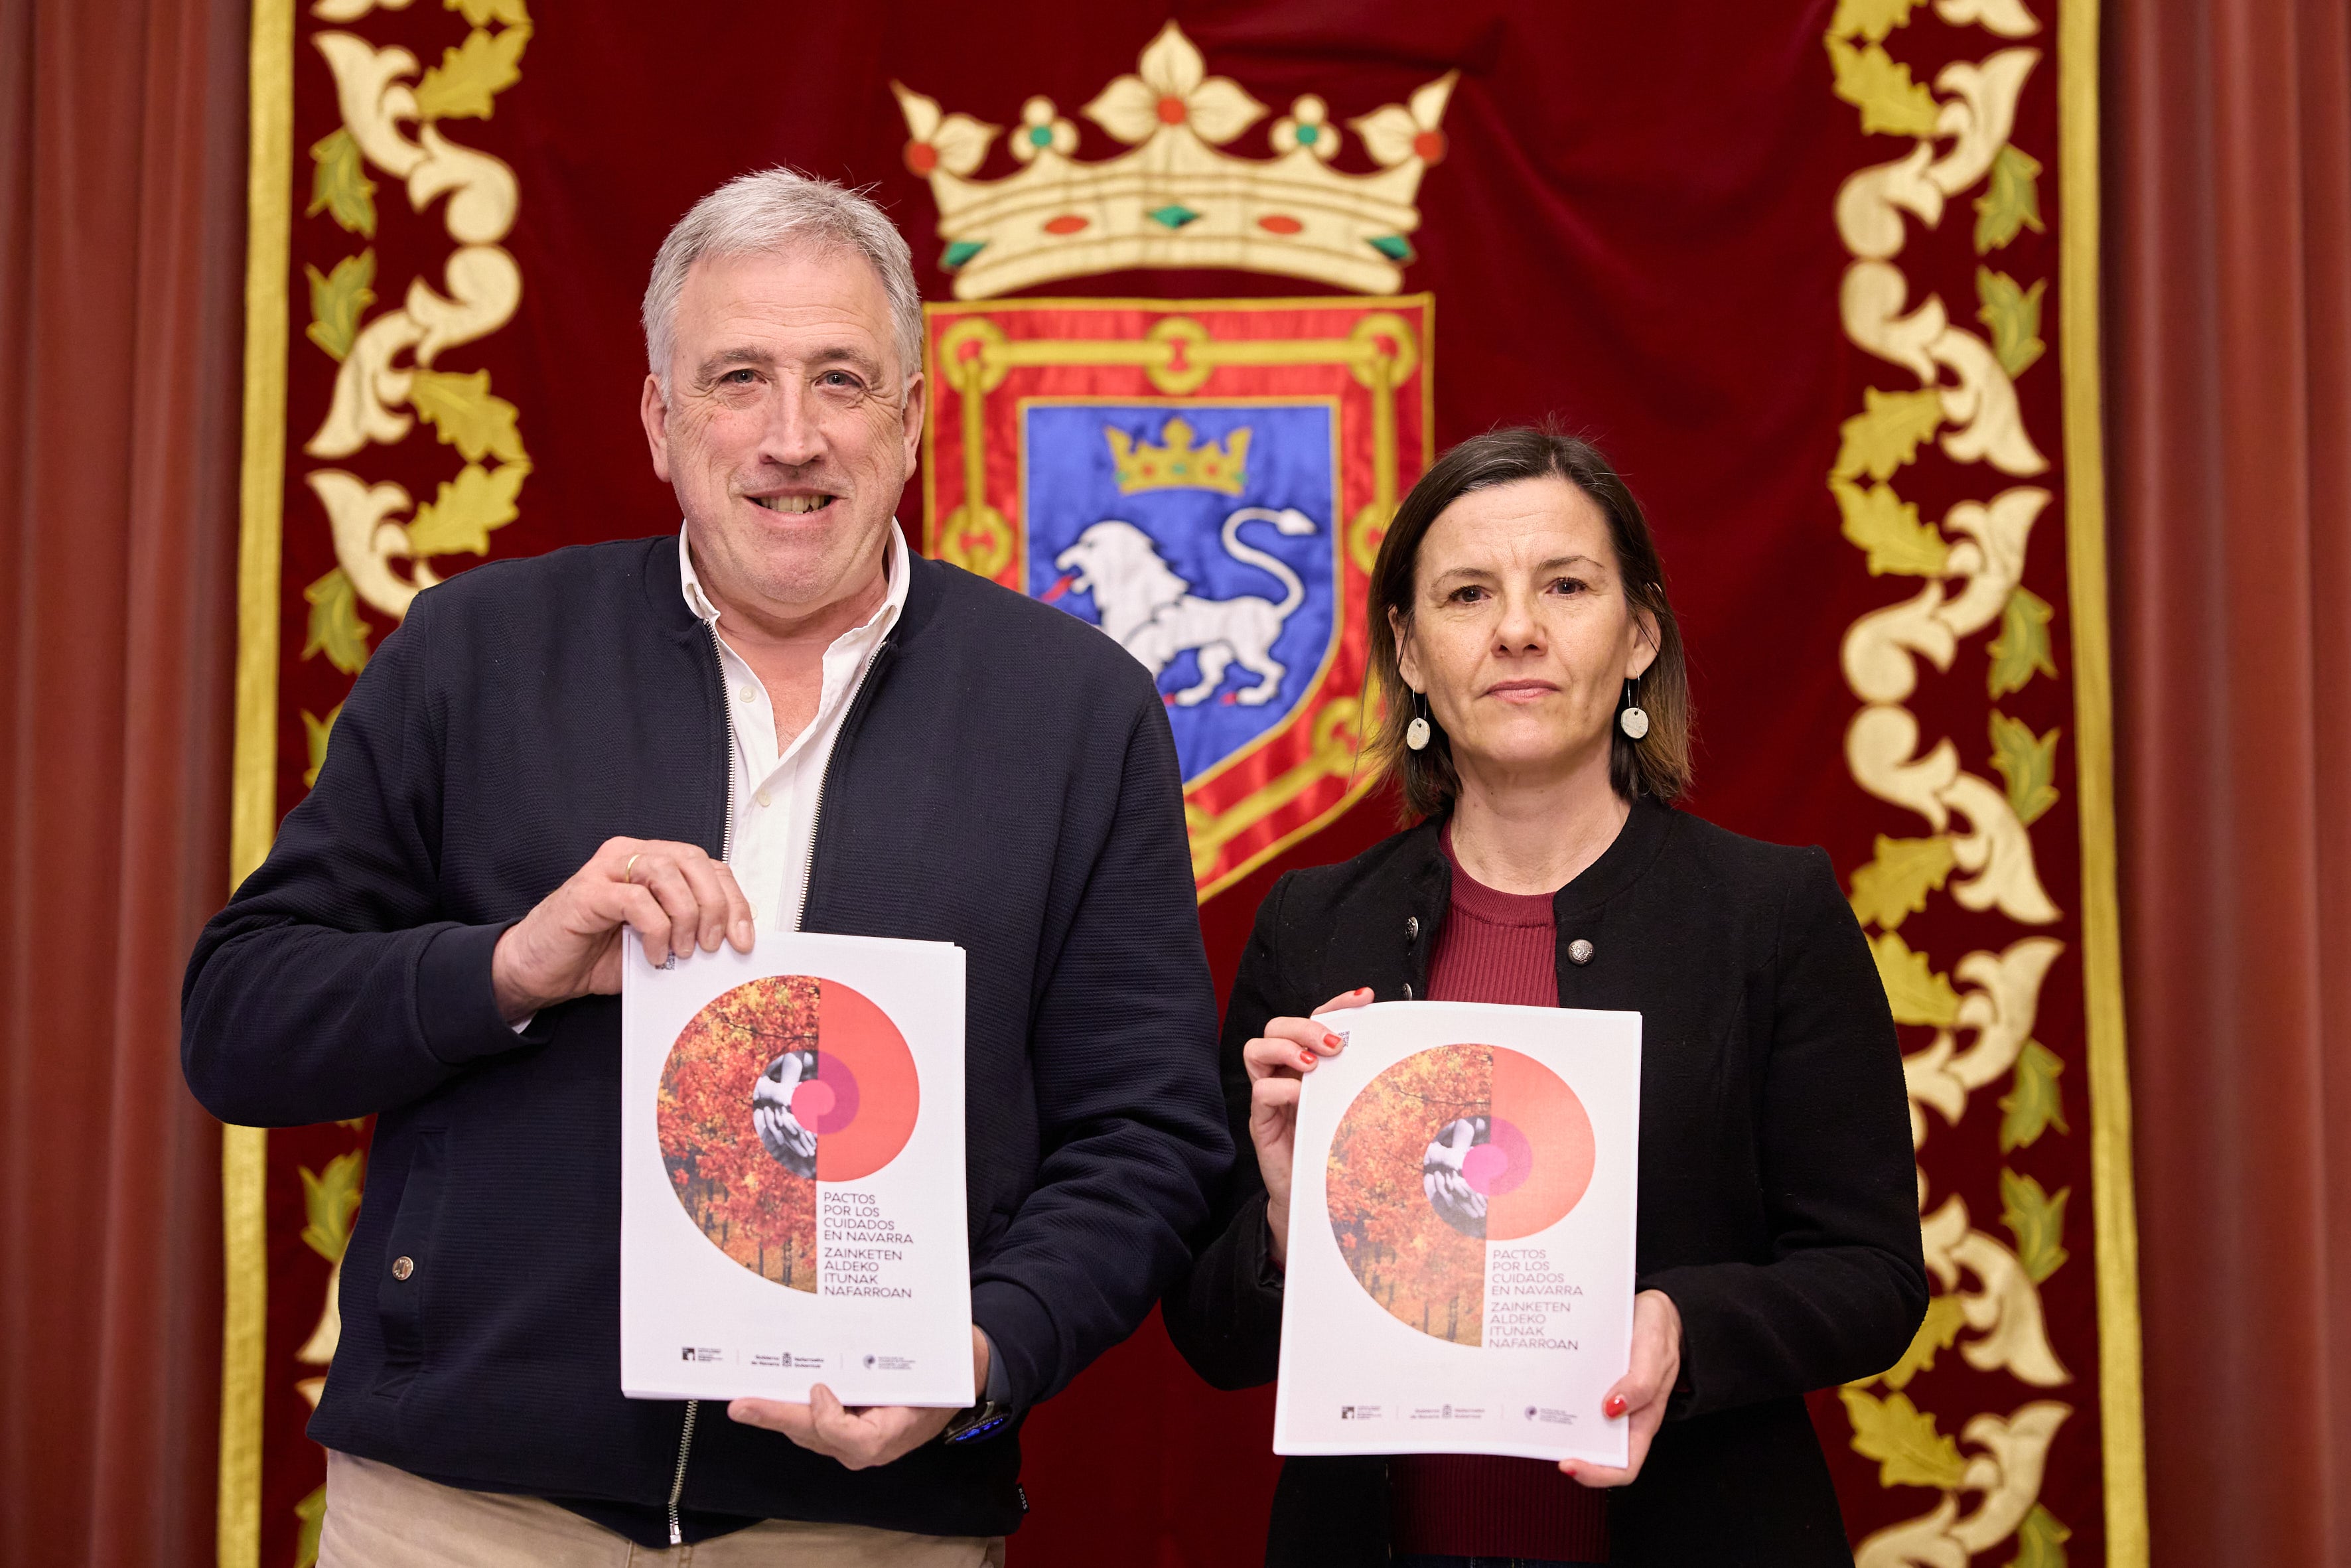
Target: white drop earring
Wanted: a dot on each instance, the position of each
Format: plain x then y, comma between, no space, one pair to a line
1634,720
1415,734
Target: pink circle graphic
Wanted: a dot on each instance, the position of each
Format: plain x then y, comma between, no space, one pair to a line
1483,1166
836,1088
810,1100
1518,1157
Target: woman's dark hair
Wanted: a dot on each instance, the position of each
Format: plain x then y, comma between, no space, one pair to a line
1658,766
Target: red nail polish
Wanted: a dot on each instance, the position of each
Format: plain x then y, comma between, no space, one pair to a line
1307,1060
1612,1406
1331,1042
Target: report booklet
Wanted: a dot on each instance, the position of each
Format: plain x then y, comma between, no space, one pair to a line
792,1173
1461,1234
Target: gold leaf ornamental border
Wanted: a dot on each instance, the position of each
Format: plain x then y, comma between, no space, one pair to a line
1336,724
1882,656
268,301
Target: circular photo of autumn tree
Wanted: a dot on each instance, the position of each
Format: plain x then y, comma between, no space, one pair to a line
1448,1149
775,1086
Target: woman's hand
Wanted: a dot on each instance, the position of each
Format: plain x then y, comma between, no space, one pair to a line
1279,1062
1641,1394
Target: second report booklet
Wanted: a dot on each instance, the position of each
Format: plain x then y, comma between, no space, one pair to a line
792,1173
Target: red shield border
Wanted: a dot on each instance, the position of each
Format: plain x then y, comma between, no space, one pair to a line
1371,356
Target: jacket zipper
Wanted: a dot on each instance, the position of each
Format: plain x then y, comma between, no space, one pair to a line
725,845
807,870
677,1481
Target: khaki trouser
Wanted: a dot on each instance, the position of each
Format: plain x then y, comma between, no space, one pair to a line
382,1517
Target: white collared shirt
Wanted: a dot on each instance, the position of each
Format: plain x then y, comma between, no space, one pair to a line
776,791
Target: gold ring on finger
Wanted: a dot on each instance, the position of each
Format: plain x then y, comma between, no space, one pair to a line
630,867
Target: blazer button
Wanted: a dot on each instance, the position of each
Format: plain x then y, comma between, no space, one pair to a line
1579,951
1407,990
402,1267
1412,927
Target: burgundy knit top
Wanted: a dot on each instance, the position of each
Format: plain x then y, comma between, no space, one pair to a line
1494,947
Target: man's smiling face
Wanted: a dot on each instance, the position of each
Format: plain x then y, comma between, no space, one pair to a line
789,427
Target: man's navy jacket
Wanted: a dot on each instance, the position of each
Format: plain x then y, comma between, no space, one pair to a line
1005,780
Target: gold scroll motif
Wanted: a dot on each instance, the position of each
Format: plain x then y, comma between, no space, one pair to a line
1978,848
388,379
1178,355
387,382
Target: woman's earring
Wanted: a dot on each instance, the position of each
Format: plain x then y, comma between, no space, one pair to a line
1634,720
1415,734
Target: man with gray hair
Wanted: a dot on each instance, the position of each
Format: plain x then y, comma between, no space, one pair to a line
777,717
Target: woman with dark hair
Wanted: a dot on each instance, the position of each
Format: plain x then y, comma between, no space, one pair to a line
1538,723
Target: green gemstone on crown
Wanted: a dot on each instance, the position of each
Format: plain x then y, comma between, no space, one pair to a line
1308,135
1173,215
963,250
1040,136
1393,246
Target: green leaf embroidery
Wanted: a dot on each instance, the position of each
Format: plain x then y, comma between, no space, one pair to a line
460,518
2013,315
1888,528
316,730
2029,765
340,186
1940,1326
2040,1540
462,409
471,75
1903,1440
2038,1222
1915,991
1887,433
338,300
1870,19
2022,649
335,628
2011,203
312,1511
329,1199
482,13
1895,882
1880,87
2036,1103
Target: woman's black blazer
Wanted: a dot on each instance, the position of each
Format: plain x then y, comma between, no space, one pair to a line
1778,1198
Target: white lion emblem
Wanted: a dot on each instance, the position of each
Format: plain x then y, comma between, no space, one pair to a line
1154,615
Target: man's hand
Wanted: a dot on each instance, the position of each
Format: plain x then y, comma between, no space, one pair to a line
1641,1394
862,1437
674,896
1278,1061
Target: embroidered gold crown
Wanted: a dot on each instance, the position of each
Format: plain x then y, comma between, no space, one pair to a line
1174,200
1179,464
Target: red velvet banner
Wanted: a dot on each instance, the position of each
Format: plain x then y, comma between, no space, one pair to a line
1806,273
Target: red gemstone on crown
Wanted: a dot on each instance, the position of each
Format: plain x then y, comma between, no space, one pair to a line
922,158
1067,223
1429,146
1279,224
1172,111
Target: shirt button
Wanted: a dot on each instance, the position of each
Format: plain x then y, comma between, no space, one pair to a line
402,1267
747,695
1579,951
761,798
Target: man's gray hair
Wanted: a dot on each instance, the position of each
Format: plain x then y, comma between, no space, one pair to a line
776,210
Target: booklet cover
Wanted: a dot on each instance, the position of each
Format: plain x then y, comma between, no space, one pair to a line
1461,1234
792,1173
